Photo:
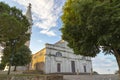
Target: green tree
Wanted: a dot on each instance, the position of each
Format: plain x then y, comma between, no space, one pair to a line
92,25
6,57
22,57
13,25
13,29
95,73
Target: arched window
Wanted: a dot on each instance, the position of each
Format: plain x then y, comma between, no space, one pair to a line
58,54
83,58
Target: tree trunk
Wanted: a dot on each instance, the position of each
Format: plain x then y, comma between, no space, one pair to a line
15,68
117,55
9,69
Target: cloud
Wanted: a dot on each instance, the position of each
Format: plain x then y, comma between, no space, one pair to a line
45,13
104,64
40,41
49,33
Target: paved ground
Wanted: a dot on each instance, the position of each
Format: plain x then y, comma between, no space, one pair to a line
93,77
80,77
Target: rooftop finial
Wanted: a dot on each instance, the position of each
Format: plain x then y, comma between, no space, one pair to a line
29,14
29,5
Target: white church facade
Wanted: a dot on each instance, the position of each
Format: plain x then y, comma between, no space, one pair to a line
59,58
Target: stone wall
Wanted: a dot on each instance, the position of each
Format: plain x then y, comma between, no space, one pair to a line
32,77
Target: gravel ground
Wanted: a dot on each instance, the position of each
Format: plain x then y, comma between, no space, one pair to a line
91,77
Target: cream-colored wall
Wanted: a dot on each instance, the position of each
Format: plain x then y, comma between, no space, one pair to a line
39,58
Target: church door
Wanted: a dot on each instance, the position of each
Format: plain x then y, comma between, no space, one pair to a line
84,68
58,67
73,66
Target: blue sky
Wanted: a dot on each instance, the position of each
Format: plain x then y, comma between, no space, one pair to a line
46,24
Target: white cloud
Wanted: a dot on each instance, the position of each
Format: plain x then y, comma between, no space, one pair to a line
40,41
45,13
49,33
105,64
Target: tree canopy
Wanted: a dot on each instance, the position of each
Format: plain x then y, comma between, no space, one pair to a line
13,31
22,57
92,25
13,25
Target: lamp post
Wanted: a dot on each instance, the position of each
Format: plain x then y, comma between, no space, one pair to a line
12,42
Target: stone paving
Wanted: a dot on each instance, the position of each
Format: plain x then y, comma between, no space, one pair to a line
91,77
80,77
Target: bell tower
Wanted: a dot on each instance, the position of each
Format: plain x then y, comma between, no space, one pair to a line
29,17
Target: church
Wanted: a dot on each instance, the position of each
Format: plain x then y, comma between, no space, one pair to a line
56,58
59,58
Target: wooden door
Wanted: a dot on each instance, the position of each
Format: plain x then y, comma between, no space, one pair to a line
84,68
73,66
58,67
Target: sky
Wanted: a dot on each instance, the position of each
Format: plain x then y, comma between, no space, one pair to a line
47,22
